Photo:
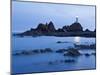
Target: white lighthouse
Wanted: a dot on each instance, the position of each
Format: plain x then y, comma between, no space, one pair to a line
76,19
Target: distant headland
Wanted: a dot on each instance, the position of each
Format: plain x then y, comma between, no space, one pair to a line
48,29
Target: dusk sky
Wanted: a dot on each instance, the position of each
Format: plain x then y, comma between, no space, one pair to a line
26,15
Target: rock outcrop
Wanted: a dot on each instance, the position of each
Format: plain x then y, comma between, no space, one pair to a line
76,27
87,30
72,52
49,29
66,28
46,27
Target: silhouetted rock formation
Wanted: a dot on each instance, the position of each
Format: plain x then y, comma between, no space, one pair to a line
76,27
41,27
60,30
66,28
46,27
87,30
49,29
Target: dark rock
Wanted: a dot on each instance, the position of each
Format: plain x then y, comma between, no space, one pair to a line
87,54
50,63
35,51
48,50
76,27
51,27
61,50
26,53
69,60
45,28
72,52
16,54
92,46
42,28
62,42
66,28
60,30
42,51
59,42
93,54
87,30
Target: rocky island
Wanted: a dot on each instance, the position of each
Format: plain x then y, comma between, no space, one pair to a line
48,29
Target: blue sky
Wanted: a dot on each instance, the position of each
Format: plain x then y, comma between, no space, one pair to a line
26,15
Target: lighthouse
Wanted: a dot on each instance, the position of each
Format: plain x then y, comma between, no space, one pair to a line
76,19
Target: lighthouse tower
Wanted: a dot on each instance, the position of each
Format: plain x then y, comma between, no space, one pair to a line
76,19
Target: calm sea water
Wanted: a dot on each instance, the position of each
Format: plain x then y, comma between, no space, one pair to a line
39,62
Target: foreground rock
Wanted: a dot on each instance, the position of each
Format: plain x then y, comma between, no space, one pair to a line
33,52
87,54
72,52
91,46
61,61
93,54
61,51
62,42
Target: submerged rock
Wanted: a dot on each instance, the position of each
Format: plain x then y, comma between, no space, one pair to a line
26,52
87,54
93,54
92,46
48,50
59,42
61,61
16,54
22,53
69,60
35,51
61,50
72,52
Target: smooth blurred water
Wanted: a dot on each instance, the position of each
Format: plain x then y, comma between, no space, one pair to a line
39,62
